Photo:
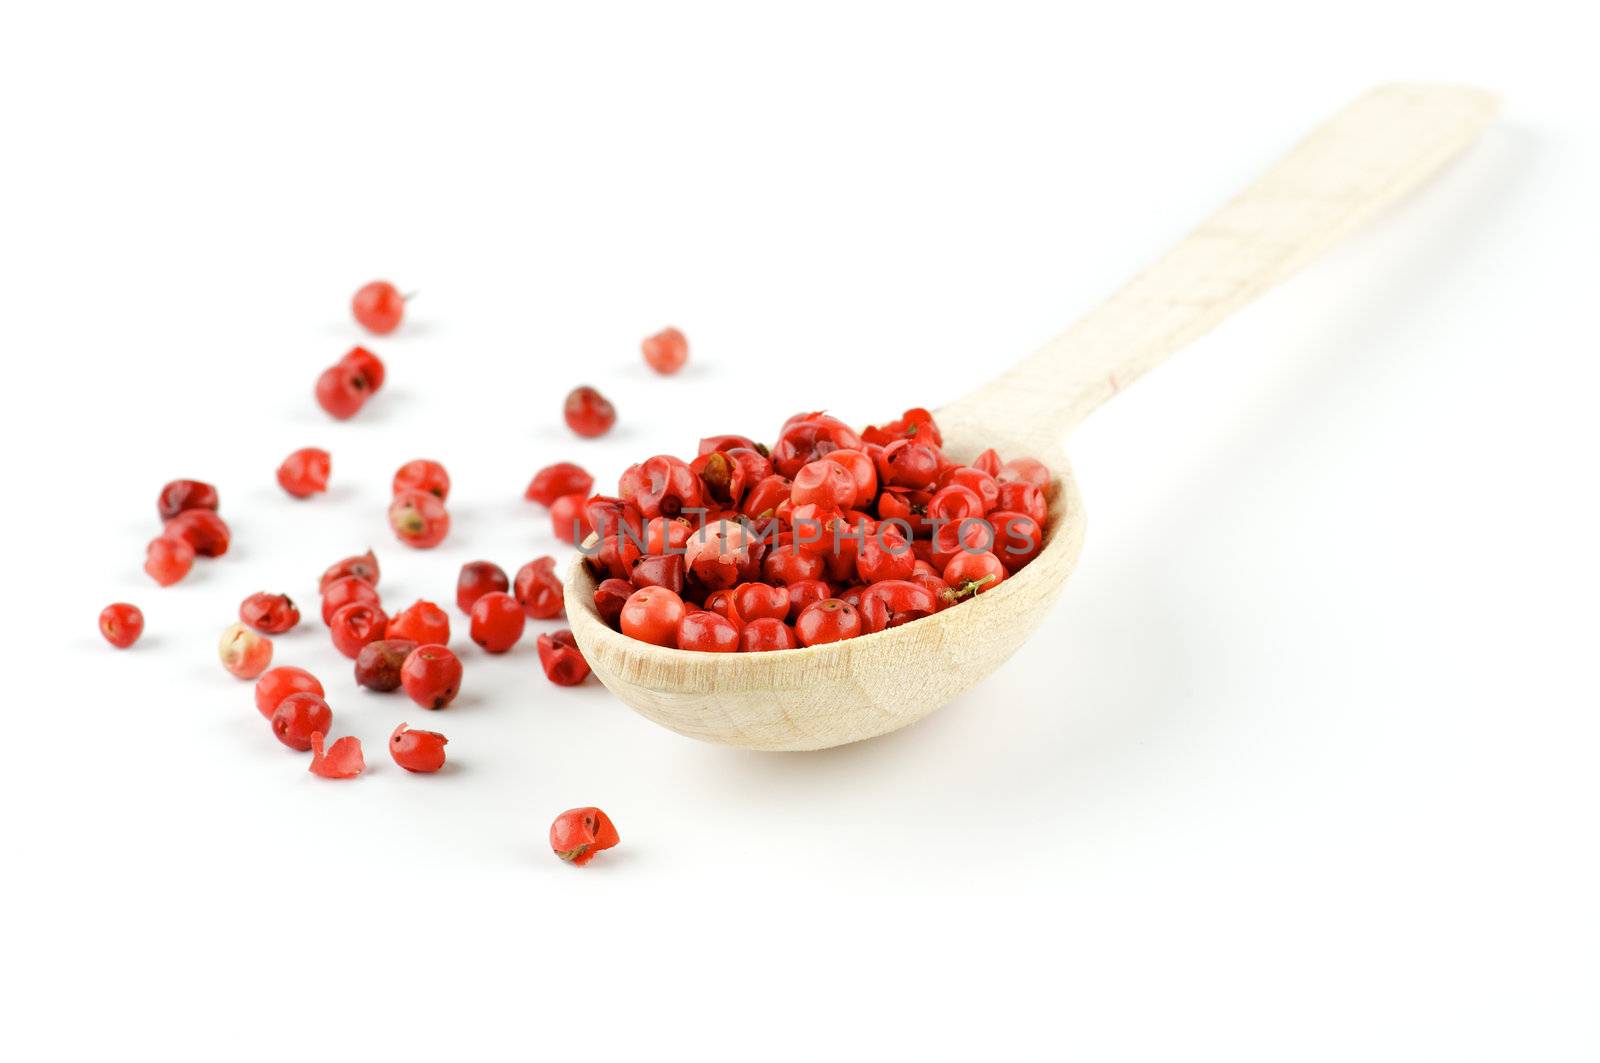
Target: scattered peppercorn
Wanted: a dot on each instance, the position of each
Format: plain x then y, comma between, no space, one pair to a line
121,624
579,833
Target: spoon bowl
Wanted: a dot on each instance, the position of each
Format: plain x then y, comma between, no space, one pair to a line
840,692
1380,147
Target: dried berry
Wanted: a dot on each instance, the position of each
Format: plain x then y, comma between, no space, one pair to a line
378,307
244,653
180,495
579,833
270,614
121,624
431,676
378,664
539,590
278,683
418,751
298,717
562,661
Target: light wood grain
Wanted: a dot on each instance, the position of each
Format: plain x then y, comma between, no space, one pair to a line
1380,147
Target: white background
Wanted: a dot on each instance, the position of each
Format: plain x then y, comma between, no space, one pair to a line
1302,766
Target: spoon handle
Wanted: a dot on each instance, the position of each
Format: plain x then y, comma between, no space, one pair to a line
1377,149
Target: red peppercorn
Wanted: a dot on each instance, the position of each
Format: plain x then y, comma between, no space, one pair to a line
539,589
422,622
884,553
362,566
419,519
786,563
378,664
1018,538
355,625
423,475
766,496
298,717
418,751
661,486
562,661
753,601
342,760
895,602
707,632
341,391
205,532
825,483
956,502
305,472
840,561
764,634
906,507
612,516
666,351
497,622
826,621
180,495
607,563
553,481
609,598
722,602
863,470
969,574
986,487
569,519
121,624
579,833
666,535
807,437
367,364
651,614
243,652
168,559
804,592
1019,496
973,535
720,555
661,570
431,676
478,578
906,463
378,307
619,528
589,413
818,528
342,592
271,614
278,683
729,477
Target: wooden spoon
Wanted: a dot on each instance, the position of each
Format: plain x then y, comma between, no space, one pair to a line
1373,152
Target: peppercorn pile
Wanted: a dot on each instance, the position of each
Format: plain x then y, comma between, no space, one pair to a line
826,535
